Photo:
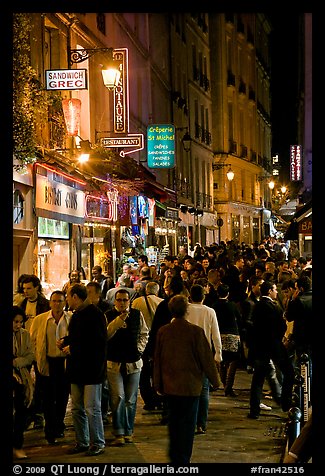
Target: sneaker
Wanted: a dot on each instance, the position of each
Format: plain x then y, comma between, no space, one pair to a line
95,450
200,431
118,441
78,449
128,438
265,407
19,454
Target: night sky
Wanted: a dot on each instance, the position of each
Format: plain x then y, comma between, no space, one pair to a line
284,84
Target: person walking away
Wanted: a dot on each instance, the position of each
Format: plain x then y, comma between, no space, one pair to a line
163,316
23,357
299,312
34,303
228,319
95,297
86,347
127,338
47,328
206,318
179,377
268,329
147,304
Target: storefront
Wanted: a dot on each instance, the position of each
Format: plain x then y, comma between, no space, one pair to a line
301,229
23,222
60,210
185,230
98,235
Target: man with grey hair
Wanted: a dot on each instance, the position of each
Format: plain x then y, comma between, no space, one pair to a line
147,304
125,283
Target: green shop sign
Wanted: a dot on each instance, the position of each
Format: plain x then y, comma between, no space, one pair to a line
161,146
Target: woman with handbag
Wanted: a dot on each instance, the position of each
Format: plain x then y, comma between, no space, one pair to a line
23,386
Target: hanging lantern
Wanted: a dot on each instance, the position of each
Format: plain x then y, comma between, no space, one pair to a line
71,111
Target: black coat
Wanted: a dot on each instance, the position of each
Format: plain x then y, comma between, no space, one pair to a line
87,337
268,328
299,311
42,304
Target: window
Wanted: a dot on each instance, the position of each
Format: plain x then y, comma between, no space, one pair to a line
18,205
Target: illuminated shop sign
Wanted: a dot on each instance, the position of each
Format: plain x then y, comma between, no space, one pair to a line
59,200
66,79
295,163
161,146
101,207
121,92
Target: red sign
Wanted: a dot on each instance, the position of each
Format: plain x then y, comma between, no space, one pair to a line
306,226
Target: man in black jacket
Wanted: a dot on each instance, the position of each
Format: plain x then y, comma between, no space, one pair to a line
86,346
268,328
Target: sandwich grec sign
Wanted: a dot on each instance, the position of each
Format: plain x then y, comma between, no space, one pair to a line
66,79
161,146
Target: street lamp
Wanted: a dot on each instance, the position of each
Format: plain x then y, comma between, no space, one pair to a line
111,74
230,174
186,140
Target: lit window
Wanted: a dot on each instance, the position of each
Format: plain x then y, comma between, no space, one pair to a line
18,203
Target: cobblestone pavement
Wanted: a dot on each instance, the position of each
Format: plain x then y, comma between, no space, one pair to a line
230,438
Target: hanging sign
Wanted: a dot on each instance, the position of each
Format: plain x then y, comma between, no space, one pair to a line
161,146
133,141
62,79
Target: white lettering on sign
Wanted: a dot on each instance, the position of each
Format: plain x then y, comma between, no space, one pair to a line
66,79
295,163
59,198
121,92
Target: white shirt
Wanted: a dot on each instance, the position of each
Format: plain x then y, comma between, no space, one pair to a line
206,318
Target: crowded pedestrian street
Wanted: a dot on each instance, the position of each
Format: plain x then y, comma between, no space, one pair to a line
231,437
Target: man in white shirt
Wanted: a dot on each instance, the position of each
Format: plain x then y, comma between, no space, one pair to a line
206,318
46,330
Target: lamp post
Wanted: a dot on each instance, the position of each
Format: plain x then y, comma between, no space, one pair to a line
110,72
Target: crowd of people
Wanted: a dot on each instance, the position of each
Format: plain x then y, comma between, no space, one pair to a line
102,343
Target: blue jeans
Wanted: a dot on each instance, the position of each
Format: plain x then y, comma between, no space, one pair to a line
202,414
182,415
87,415
123,394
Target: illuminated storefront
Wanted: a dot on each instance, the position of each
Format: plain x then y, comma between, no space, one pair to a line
60,208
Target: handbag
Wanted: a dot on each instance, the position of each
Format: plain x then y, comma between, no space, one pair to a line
230,342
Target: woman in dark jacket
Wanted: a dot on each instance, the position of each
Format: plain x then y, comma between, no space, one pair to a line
228,317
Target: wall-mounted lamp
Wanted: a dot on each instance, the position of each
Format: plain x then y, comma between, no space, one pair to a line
186,140
85,150
230,174
110,72
271,183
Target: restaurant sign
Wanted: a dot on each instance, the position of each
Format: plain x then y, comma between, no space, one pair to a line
161,146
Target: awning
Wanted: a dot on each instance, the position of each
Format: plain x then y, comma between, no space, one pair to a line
293,229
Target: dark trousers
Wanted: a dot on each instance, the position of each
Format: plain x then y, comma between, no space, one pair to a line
263,368
56,389
20,415
182,415
147,392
